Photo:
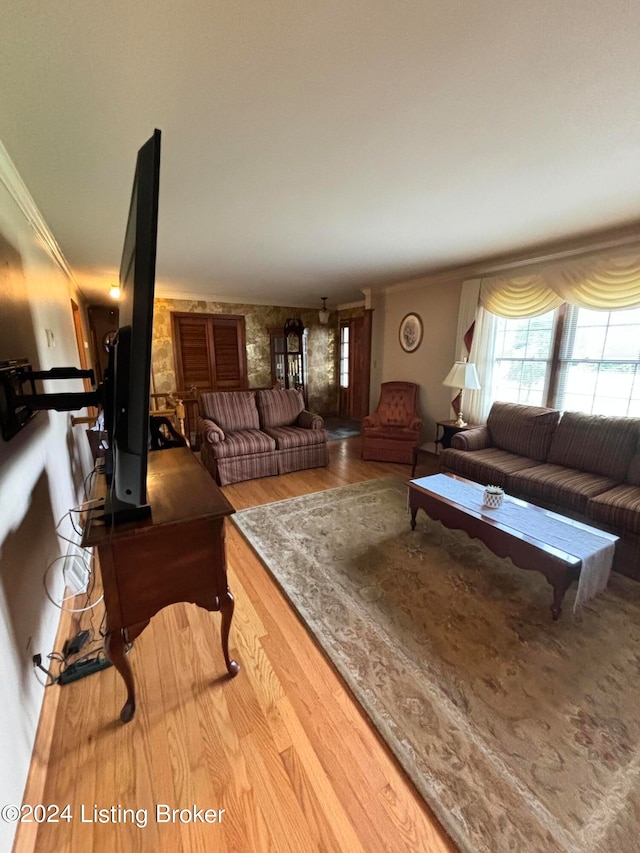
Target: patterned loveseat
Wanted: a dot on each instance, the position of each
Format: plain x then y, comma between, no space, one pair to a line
584,466
250,434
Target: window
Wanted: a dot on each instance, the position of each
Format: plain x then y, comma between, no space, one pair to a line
344,356
573,359
523,358
599,363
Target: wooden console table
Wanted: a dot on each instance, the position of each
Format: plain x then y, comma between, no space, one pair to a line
178,554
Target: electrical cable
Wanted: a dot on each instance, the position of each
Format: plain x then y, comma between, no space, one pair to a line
86,558
88,567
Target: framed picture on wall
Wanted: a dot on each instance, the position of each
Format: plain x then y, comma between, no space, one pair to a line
410,332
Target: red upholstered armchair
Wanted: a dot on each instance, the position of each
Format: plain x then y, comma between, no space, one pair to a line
391,432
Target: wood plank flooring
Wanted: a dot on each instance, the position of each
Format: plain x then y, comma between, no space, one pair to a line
283,748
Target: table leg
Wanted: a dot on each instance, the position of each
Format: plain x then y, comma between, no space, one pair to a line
114,647
226,608
414,512
560,586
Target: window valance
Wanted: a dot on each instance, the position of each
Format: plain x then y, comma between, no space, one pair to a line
607,281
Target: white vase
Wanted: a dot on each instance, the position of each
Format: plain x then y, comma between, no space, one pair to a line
493,500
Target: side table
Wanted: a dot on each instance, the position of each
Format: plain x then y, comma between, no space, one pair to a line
449,429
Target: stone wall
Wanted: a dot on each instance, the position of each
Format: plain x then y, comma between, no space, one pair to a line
322,344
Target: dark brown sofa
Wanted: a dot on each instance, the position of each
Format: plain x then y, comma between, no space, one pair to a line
584,466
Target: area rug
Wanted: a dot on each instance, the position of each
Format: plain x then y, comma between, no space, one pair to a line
521,733
339,428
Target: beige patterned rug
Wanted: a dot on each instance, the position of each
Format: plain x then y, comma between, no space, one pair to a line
522,734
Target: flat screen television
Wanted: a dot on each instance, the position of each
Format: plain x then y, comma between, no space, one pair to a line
124,394
127,384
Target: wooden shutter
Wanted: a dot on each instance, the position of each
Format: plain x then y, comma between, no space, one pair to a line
209,351
193,352
229,353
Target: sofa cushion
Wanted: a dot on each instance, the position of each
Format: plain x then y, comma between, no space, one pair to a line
242,443
491,467
619,508
525,430
288,437
596,443
279,407
559,486
633,475
232,410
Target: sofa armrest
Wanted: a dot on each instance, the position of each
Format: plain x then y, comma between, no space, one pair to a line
210,431
310,420
472,439
372,420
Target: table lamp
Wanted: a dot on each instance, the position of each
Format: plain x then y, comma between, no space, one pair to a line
462,376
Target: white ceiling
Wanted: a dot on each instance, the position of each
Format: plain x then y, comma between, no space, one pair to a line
312,148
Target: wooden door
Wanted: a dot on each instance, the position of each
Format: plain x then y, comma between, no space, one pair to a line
355,356
82,353
355,369
103,324
209,351
92,411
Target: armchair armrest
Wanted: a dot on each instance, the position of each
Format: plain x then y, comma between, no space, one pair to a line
372,420
310,420
415,425
472,439
210,431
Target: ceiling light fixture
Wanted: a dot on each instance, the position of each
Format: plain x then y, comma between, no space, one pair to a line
323,313
114,292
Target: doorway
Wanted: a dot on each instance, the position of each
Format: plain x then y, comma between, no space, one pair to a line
355,366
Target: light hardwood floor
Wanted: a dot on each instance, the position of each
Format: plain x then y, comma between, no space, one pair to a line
283,748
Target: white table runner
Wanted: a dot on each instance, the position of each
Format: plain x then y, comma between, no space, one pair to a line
594,547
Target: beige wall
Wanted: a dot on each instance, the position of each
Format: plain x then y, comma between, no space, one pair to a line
437,304
321,346
41,476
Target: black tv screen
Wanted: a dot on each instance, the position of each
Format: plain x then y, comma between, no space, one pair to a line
128,420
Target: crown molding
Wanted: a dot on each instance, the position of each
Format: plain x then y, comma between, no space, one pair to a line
17,189
346,306
541,254
168,293
162,293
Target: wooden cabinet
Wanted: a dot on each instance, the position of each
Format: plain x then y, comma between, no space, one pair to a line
209,351
175,555
288,356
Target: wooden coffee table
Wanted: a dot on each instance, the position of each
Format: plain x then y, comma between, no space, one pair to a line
559,567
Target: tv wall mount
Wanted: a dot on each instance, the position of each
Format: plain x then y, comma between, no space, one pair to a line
20,400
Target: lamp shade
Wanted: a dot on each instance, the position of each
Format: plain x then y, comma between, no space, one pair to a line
462,375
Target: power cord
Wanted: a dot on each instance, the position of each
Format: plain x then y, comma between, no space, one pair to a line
70,662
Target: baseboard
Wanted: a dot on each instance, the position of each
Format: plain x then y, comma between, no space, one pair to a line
26,835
